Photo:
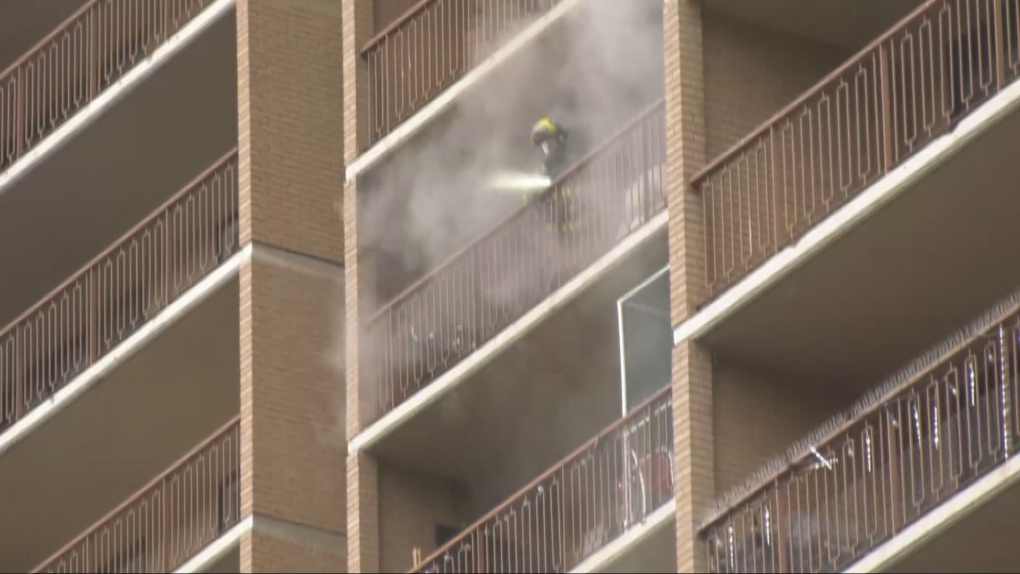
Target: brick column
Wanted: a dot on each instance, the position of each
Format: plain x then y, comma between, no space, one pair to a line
290,138
357,31
362,475
686,146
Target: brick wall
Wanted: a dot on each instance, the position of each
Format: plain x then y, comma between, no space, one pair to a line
290,124
751,73
358,28
290,166
411,505
758,416
273,554
292,398
692,379
723,78
362,472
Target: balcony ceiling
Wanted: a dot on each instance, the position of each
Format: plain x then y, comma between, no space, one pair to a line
119,169
849,24
922,267
121,434
23,23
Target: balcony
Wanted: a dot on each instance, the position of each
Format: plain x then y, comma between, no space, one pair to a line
76,330
612,484
433,77
168,522
142,338
445,465
115,436
600,226
918,446
91,52
105,164
420,55
868,198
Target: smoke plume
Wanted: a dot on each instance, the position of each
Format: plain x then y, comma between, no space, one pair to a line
592,71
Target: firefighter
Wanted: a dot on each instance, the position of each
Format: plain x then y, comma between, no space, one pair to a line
548,136
551,139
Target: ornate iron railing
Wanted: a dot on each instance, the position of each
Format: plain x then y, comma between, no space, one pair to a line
79,60
119,291
893,98
430,47
930,438
170,520
593,497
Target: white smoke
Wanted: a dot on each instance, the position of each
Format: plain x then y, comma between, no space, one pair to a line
592,72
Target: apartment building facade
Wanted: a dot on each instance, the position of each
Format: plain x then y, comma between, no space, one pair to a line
270,303
168,252
841,383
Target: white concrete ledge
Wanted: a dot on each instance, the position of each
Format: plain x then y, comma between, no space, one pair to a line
111,95
279,529
624,544
222,546
507,337
940,518
850,215
411,126
138,340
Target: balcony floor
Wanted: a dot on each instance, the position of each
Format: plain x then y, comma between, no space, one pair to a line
114,172
904,279
122,433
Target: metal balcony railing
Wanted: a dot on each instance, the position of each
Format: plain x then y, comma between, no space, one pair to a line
890,100
930,438
430,47
115,294
169,521
75,63
601,491
492,282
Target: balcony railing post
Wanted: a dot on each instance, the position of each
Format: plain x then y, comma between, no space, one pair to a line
774,163
168,256
19,374
1000,72
91,47
166,21
783,526
165,527
92,319
21,94
887,124
1005,388
564,565
893,472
